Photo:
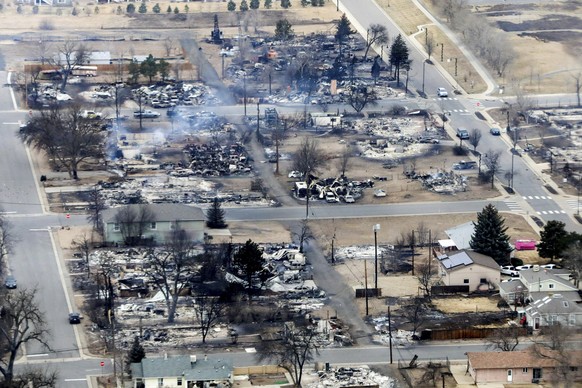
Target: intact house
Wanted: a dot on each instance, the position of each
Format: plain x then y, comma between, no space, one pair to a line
182,372
154,222
524,366
544,297
536,283
468,268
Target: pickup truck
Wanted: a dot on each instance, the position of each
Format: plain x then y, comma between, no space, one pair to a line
146,114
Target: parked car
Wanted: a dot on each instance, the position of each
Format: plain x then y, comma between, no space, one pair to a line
75,318
495,131
524,267
508,270
379,193
510,280
348,198
330,197
10,282
549,266
442,92
146,114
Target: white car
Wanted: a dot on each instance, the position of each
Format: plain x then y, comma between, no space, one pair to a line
510,280
348,198
549,266
442,92
524,267
508,270
379,193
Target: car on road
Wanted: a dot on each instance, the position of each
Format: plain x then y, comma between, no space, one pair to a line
524,267
75,318
146,114
508,270
462,133
495,131
10,282
442,92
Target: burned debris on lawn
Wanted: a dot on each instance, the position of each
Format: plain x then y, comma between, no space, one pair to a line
345,376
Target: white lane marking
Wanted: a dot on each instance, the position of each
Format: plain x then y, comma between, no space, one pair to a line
66,380
39,230
18,123
37,355
11,91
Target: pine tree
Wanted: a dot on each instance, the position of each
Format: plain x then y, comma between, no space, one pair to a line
268,4
215,216
285,4
176,10
490,236
398,56
157,8
255,4
136,353
249,261
231,6
143,8
553,240
130,9
343,29
244,6
169,9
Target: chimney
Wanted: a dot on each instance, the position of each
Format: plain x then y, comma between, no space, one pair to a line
165,355
193,359
205,357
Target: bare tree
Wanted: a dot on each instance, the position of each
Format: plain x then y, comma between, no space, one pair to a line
171,267
500,54
377,34
209,311
133,222
96,207
572,259
105,269
427,278
523,105
344,161
6,239
169,46
493,164
303,233
554,347
43,48
66,136
415,313
577,85
84,247
505,339
474,138
308,159
21,322
296,349
429,45
69,55
361,96
36,377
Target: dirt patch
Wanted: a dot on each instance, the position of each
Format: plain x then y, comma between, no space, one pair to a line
462,304
259,231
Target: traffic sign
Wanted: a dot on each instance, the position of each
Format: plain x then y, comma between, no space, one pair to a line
68,216
102,363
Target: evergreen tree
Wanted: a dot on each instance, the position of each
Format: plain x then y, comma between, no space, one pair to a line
304,3
244,6
186,8
398,55
489,237
163,69
231,6
169,9
285,4
255,4
134,71
136,353
343,29
248,261
96,10
554,240
268,4
157,8
176,10
130,9
283,30
143,8
149,68
215,216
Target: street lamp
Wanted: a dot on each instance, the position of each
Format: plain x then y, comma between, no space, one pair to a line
442,50
376,228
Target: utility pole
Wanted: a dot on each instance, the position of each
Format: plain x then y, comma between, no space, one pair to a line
112,323
423,66
412,243
366,284
376,228
430,244
258,121
390,332
245,93
442,51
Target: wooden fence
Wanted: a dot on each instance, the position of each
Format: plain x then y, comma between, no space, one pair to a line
468,333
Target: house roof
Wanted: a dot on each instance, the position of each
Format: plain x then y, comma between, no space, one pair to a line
191,367
461,234
162,212
460,259
510,287
554,304
518,359
543,275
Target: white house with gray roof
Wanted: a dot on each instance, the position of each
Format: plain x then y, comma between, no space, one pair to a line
553,309
161,220
182,372
468,268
